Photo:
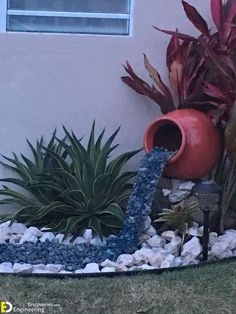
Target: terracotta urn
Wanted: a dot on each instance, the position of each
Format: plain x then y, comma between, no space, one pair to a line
192,135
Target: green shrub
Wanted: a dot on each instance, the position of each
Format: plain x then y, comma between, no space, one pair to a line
69,187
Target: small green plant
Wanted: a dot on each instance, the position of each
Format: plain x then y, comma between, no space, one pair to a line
179,216
68,187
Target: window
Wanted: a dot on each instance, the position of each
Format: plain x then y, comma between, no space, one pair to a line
67,16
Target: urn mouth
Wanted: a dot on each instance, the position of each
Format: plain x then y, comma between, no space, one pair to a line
166,133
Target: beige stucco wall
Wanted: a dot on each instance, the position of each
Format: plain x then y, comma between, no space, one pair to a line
47,80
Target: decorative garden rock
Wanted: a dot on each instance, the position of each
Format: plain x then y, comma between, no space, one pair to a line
92,268
6,267
35,231
28,237
157,258
13,228
22,268
192,247
108,263
108,270
54,268
47,236
168,261
126,260
156,241
151,231
168,235
88,234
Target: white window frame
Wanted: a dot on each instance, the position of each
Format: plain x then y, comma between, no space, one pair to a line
5,12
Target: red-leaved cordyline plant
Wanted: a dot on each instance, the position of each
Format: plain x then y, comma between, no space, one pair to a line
202,70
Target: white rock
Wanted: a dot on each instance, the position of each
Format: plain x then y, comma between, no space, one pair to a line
15,238
147,267
92,268
80,240
14,228
65,272
186,186
178,261
59,237
212,238
228,239
97,241
156,241
176,183
47,236
88,234
108,263
145,245
121,268
126,260
67,240
2,241
192,247
147,223
41,271
178,196
189,260
135,268
6,268
54,268
168,261
35,231
142,256
174,246
28,237
158,258
221,250
80,271
151,231
166,192
143,238
22,268
39,267
108,270
31,235
195,232
231,232
168,235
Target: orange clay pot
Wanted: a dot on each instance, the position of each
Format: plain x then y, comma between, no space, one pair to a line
192,134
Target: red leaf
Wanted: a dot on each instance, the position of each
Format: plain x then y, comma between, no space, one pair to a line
143,88
231,12
215,92
217,13
194,17
181,36
171,50
157,79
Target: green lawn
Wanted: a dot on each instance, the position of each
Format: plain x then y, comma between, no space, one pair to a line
209,289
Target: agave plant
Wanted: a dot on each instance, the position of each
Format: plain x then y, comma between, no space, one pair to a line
202,70
70,187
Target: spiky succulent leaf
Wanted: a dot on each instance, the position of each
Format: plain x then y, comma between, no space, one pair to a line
70,187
